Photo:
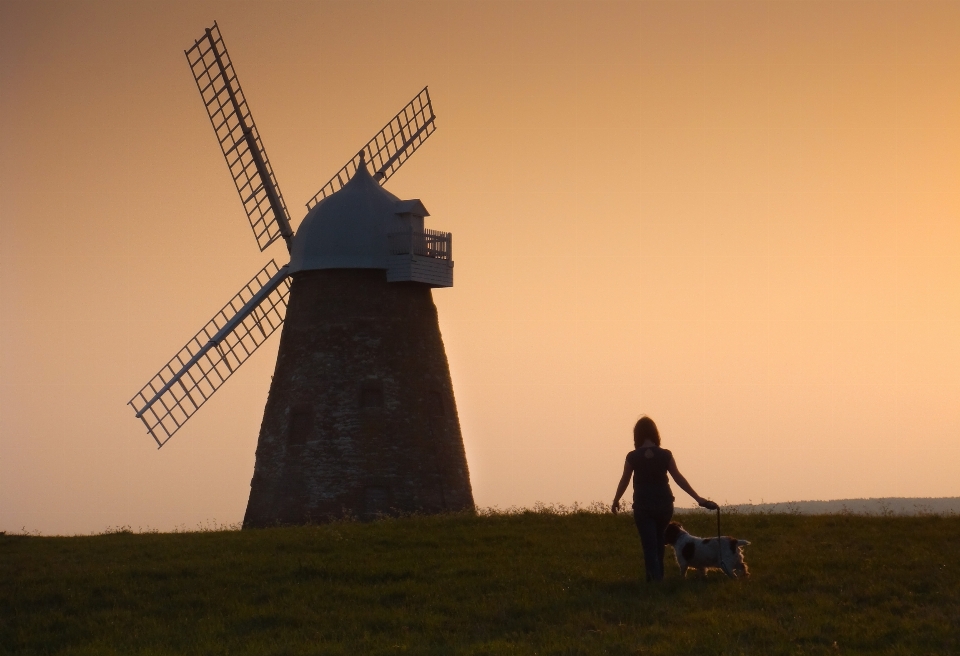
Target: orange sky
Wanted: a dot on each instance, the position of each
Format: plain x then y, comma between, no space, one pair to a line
741,218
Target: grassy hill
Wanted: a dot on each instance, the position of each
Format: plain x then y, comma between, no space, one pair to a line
885,506
530,583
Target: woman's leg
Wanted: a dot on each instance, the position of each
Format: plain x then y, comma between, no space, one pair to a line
662,521
647,528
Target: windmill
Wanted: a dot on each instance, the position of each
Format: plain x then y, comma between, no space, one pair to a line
360,419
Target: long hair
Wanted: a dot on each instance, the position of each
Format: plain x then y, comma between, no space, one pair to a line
645,430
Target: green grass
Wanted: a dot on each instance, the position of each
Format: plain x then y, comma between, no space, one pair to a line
531,583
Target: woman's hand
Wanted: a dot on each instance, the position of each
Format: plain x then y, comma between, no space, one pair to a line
622,486
707,503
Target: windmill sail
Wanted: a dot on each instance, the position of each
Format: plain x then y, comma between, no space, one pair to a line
239,139
391,147
198,370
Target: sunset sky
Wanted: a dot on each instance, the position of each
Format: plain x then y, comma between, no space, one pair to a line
739,218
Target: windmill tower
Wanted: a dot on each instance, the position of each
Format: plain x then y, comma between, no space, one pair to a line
360,419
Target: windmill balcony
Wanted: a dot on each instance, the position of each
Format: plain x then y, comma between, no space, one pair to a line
426,243
421,256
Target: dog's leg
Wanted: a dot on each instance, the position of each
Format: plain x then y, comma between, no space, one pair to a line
729,557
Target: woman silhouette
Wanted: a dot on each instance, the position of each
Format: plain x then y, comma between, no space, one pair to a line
652,499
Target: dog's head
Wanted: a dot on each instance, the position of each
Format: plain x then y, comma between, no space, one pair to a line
674,529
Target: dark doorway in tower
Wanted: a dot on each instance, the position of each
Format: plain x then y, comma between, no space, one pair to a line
376,501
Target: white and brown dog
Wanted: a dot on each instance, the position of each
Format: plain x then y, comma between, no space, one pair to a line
705,553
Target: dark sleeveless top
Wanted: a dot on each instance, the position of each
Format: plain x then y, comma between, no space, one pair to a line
650,485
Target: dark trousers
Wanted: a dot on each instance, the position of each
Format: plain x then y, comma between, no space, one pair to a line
651,523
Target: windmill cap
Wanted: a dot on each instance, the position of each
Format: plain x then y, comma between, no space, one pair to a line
349,228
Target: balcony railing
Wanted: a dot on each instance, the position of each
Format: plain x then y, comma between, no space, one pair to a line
427,243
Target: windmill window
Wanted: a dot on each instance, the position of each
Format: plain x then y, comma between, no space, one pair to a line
301,423
371,395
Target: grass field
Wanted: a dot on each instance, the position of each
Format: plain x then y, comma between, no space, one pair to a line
525,583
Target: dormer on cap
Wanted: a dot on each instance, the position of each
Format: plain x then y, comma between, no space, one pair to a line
411,213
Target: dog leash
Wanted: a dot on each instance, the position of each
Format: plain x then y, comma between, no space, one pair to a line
723,565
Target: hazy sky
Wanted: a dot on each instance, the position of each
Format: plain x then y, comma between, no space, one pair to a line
740,218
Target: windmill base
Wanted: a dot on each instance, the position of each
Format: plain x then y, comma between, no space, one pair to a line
361,419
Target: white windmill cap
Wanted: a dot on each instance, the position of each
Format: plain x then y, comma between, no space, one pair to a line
348,229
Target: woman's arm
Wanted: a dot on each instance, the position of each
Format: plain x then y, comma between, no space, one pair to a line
686,487
622,487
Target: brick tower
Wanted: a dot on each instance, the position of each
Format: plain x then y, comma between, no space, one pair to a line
361,418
